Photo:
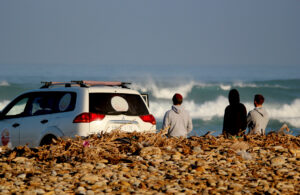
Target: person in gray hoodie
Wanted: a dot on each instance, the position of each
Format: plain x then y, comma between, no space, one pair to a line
177,120
258,118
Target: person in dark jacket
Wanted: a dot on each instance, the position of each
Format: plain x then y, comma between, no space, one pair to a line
235,117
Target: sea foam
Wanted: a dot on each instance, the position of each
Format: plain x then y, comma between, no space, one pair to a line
165,92
289,113
3,104
4,83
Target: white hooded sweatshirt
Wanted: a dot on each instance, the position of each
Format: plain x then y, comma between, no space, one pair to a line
177,121
257,120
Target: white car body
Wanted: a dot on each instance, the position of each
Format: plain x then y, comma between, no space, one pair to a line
71,114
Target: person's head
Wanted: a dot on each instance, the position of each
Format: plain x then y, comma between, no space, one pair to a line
234,97
177,99
258,100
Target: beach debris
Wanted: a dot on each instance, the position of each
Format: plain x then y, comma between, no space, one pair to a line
245,155
146,163
86,144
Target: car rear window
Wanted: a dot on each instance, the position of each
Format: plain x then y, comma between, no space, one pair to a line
115,103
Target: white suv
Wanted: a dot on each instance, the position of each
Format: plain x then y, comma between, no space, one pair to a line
73,108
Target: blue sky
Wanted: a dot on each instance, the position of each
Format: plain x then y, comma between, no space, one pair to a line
156,32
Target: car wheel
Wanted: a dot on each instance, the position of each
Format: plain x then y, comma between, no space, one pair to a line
47,140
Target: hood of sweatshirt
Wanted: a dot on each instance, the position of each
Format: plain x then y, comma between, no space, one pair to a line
177,109
234,97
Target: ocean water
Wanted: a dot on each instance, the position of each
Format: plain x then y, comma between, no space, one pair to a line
205,89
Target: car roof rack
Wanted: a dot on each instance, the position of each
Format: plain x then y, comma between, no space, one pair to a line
84,83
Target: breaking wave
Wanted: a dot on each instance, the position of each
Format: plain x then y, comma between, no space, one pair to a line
204,100
3,104
289,113
164,92
4,83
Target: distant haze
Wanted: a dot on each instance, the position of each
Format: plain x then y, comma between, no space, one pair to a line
156,33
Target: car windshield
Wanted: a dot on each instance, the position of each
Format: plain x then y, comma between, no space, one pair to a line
115,104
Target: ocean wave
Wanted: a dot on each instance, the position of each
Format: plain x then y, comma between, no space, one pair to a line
4,84
164,92
205,111
227,87
3,104
289,113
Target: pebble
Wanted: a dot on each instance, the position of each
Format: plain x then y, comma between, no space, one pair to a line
155,165
277,161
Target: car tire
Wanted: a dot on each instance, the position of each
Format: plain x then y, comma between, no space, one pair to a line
47,140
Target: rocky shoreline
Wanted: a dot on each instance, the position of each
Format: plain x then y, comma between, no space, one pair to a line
139,163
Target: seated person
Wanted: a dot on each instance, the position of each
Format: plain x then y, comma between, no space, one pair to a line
258,118
235,117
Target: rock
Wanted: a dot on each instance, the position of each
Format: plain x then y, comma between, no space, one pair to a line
200,169
87,166
262,152
90,178
49,193
245,155
39,191
100,165
295,152
273,191
279,148
30,192
277,161
256,148
197,149
222,172
211,182
150,151
125,183
80,190
99,184
53,173
152,169
204,166
20,159
239,146
283,186
176,156
22,176
237,193
90,192
253,184
236,186
282,171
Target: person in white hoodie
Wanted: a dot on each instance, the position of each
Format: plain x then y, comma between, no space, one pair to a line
258,118
177,120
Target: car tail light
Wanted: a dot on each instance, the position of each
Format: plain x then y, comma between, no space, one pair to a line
88,117
149,119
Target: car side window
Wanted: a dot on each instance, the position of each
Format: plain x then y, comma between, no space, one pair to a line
17,109
52,102
41,105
